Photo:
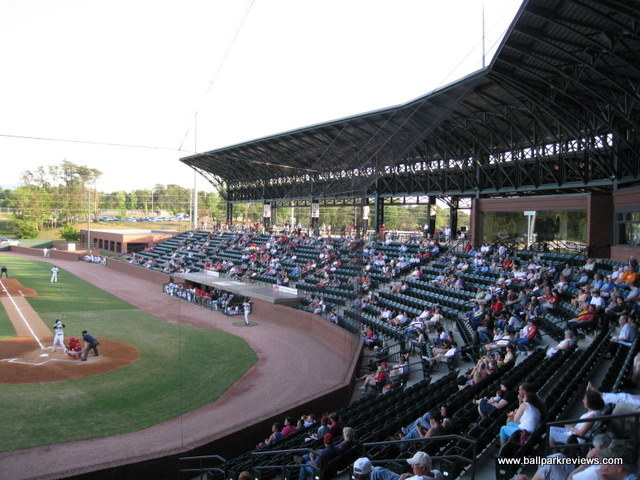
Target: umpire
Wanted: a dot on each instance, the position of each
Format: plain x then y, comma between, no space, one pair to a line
90,343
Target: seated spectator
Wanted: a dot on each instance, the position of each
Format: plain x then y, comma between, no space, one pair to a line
597,300
373,380
320,307
323,429
527,335
307,421
348,439
594,404
314,461
503,398
288,428
400,320
628,278
485,328
502,341
445,356
550,300
412,430
510,355
421,467
335,423
526,419
413,327
625,337
569,341
418,342
400,369
274,438
435,427
615,309
586,319
583,298
483,368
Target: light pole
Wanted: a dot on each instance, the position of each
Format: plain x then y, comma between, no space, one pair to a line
89,224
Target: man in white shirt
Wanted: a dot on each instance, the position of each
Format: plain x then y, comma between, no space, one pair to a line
54,274
597,300
568,341
625,337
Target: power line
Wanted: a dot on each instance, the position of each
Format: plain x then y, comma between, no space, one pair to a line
88,142
218,69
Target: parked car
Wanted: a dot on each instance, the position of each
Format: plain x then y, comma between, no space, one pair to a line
7,242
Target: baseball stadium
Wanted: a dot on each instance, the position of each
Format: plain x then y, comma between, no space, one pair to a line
276,350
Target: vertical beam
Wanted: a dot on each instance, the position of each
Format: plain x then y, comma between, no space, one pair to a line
600,225
453,216
475,223
229,213
432,214
379,212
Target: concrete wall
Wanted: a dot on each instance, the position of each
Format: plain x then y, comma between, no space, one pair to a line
137,271
53,254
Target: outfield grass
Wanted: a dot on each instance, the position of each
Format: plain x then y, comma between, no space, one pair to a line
180,367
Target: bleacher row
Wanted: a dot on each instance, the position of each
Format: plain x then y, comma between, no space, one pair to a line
558,379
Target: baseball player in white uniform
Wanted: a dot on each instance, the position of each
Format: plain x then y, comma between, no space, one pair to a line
54,274
247,308
58,335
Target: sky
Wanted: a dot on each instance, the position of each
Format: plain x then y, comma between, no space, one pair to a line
131,86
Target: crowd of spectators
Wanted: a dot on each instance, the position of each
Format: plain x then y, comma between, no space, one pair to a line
515,298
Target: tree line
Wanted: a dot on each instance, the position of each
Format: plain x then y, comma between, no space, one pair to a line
65,194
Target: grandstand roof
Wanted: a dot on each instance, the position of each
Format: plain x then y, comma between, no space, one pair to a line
556,109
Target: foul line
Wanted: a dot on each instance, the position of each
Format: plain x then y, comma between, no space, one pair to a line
20,362
21,315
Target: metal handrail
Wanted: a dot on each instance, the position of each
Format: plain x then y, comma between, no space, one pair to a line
200,469
471,461
282,465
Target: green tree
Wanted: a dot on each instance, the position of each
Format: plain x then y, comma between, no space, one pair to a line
31,204
25,228
70,233
68,187
121,202
133,201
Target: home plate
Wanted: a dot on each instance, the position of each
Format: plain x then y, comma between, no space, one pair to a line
44,355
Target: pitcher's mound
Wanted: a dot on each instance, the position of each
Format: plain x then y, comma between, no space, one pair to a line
23,361
15,288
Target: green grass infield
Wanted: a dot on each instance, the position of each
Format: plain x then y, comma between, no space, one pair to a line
180,367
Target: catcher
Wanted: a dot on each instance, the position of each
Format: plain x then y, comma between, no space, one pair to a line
75,348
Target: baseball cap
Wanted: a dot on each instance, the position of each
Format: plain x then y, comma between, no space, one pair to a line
327,438
420,458
362,466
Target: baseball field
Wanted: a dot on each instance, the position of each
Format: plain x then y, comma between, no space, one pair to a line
148,370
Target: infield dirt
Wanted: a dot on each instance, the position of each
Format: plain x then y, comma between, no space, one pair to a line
30,358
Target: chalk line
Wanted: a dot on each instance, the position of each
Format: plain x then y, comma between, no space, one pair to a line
21,315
